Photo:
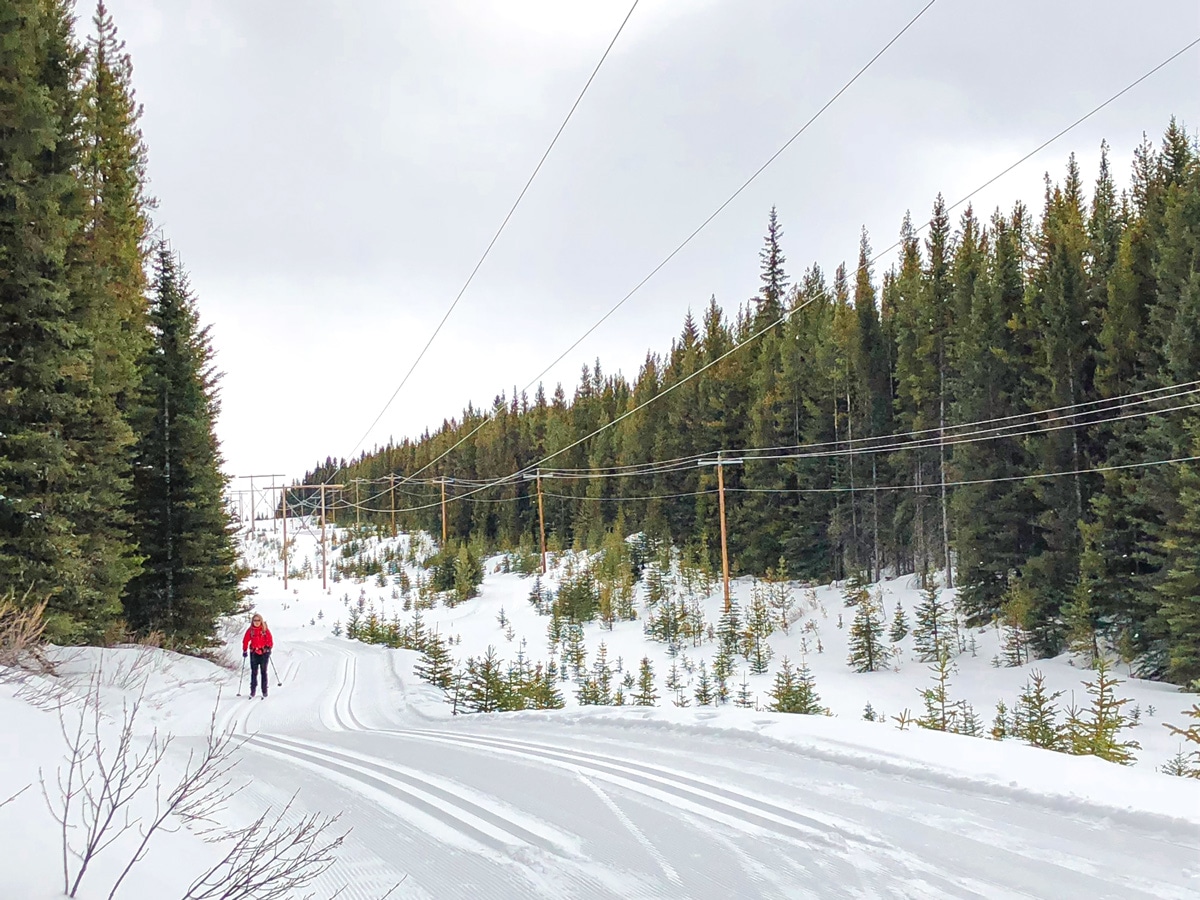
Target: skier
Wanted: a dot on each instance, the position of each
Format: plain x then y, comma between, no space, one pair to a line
259,643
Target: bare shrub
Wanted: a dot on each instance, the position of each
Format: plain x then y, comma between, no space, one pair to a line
269,859
22,645
111,785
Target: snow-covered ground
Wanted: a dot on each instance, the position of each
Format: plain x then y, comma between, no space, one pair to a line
629,801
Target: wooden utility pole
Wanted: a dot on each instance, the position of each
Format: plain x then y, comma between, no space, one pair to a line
285,559
274,524
724,543
253,520
541,519
357,508
324,567
392,478
720,462
444,532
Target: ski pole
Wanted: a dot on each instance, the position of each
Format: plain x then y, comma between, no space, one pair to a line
241,674
278,680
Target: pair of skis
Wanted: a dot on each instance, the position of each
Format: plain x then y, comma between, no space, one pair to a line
242,674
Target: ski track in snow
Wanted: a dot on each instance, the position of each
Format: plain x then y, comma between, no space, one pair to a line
483,807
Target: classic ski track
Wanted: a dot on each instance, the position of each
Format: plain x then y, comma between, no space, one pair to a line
736,808
751,813
482,825
801,839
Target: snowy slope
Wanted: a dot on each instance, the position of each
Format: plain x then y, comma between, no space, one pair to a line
630,802
976,679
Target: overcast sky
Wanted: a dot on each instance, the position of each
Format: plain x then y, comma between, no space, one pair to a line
331,172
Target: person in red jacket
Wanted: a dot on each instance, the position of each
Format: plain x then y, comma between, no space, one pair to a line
258,642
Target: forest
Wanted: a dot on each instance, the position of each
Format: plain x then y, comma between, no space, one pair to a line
1009,409
113,523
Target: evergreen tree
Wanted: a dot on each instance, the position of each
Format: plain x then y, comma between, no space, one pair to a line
705,694
1097,733
729,629
744,699
794,691
1179,589
464,575
486,687
191,576
995,517
1035,718
759,626
63,442
899,629
646,694
774,278
935,631
575,653
1189,764
941,713
436,666
867,650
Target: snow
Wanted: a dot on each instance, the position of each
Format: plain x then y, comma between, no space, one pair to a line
618,801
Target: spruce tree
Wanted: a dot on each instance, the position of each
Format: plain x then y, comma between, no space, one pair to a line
63,441
759,626
868,652
436,665
995,522
795,691
774,278
646,694
744,699
1179,589
191,576
940,710
1035,717
899,629
486,688
1188,763
1096,734
705,694
935,631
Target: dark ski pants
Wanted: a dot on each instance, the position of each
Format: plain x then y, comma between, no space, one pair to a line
258,661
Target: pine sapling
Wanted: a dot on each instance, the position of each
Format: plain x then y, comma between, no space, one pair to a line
1191,735
744,699
899,629
868,652
1096,733
705,695
1035,719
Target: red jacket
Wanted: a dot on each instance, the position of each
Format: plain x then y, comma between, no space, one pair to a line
257,639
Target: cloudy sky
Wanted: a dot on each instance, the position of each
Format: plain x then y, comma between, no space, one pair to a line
331,172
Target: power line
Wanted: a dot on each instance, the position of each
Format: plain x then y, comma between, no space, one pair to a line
637,287
499,231
685,463
894,487
787,315
851,446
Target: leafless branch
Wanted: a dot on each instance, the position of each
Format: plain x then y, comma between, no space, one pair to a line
269,859
4,803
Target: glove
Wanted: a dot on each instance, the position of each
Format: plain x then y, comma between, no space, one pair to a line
244,654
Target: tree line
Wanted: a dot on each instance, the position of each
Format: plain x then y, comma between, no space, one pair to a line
1071,334
111,508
